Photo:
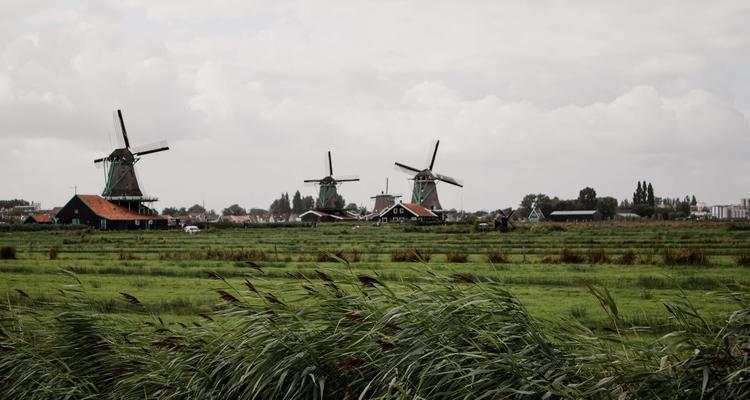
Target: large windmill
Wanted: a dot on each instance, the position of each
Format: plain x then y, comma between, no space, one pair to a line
425,183
120,181
329,189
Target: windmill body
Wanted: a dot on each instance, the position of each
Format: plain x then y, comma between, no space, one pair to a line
328,189
120,180
383,200
424,191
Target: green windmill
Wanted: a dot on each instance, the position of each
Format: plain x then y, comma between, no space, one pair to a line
329,189
425,183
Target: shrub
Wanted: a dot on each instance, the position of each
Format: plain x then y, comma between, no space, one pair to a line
743,259
685,257
598,256
415,255
53,253
579,312
126,255
628,257
571,257
496,257
7,253
456,257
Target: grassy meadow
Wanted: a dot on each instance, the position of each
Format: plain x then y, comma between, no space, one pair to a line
638,280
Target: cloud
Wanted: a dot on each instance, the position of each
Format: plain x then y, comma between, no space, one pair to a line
525,96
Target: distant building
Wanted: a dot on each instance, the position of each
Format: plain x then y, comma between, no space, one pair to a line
328,216
627,216
575,216
237,219
99,213
408,212
729,212
39,218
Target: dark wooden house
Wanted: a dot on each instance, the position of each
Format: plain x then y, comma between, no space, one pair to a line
408,212
99,213
575,216
39,218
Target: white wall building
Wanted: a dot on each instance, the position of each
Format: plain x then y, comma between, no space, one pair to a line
729,212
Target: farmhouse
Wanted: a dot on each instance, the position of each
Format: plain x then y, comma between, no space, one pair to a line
39,218
328,216
408,212
99,213
575,216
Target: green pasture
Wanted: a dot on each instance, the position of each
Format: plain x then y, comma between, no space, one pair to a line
168,271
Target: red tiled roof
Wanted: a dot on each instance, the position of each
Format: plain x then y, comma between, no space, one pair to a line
418,210
111,211
42,218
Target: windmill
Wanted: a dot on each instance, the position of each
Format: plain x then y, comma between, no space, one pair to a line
121,183
384,200
503,221
425,183
328,188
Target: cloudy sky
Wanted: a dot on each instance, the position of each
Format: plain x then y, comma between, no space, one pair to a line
525,96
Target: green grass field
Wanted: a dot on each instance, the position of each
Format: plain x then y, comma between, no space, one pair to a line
603,311
168,271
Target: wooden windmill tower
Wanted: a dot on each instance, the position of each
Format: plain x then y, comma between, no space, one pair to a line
329,189
120,181
384,200
424,192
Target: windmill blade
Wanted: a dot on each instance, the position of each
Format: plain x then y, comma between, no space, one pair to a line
150,148
330,164
98,160
124,132
448,179
407,169
434,154
346,178
313,180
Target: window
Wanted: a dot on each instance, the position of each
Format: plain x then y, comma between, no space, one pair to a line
103,224
76,221
384,219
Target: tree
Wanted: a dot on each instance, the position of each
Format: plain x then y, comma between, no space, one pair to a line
297,206
257,212
170,211
650,199
234,209
587,198
693,201
542,201
308,203
607,206
338,201
196,209
638,194
281,206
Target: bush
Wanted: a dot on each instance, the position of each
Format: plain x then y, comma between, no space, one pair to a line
456,257
743,259
598,256
53,253
571,257
685,257
126,255
415,255
628,257
496,257
7,253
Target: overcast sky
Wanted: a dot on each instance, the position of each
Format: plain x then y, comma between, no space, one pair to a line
525,96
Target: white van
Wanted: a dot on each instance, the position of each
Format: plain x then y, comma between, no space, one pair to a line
192,229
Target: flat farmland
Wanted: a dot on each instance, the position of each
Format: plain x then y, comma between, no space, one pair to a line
548,267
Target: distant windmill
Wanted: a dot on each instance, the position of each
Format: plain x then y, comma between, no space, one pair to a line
425,187
328,188
120,179
384,199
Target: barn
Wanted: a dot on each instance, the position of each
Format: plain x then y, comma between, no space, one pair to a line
575,216
39,218
99,213
408,212
328,216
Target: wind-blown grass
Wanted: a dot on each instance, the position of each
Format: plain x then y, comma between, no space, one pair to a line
353,337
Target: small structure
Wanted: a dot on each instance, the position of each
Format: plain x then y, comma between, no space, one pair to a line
729,212
575,216
328,216
39,218
100,213
408,212
627,216
536,215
